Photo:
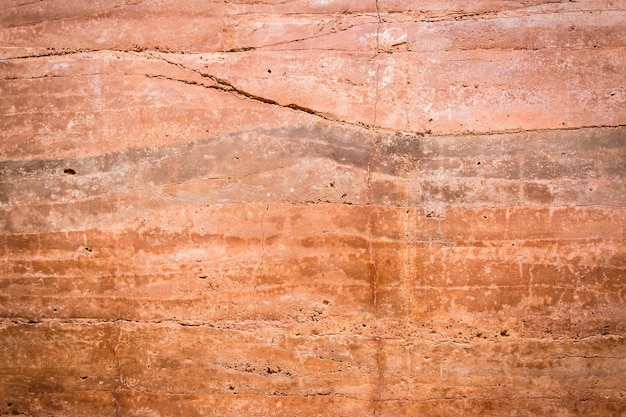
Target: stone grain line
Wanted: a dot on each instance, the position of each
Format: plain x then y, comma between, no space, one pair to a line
420,333
228,87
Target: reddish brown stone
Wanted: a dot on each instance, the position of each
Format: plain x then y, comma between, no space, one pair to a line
322,208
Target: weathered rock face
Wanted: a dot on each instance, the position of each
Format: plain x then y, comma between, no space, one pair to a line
341,208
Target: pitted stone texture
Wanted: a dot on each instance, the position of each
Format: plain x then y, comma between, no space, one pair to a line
320,208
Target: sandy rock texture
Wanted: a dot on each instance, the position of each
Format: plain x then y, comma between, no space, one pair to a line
312,208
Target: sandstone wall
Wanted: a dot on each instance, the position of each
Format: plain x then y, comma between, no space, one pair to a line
336,208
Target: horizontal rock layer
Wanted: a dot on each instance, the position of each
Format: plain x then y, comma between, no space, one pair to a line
312,208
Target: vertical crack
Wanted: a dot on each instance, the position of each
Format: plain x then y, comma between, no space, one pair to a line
379,360
406,263
378,28
269,366
120,378
223,25
369,199
372,262
369,174
377,80
408,250
262,257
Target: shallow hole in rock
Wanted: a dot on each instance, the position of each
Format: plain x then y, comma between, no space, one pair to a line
433,215
69,171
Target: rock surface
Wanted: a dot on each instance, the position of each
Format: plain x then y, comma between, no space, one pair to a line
341,208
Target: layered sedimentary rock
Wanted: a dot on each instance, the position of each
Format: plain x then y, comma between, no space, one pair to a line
336,208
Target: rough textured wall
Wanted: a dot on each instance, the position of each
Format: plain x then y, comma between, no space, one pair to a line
340,208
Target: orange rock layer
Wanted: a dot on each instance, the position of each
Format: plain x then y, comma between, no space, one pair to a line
335,208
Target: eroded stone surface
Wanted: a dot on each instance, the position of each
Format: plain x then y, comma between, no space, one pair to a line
312,208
